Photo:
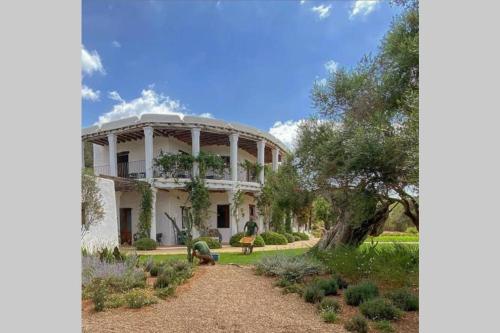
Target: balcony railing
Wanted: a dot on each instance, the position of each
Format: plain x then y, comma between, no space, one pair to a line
137,170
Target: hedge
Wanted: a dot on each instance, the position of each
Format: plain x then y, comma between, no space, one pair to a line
145,244
274,238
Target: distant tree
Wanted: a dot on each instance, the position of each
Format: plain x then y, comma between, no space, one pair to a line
91,202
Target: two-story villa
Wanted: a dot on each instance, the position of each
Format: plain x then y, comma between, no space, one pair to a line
125,149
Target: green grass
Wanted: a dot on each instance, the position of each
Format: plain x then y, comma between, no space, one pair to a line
231,258
403,238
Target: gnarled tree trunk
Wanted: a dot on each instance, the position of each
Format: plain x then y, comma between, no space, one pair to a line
343,233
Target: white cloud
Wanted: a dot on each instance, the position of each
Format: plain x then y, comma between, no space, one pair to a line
302,2
286,131
149,102
89,94
322,11
116,43
331,66
362,7
91,62
115,96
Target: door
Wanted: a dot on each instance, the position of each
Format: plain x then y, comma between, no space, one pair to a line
222,216
122,163
126,226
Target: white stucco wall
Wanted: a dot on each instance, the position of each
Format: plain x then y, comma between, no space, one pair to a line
105,233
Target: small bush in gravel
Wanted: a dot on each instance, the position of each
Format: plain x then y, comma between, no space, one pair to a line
166,278
274,238
313,294
289,237
301,235
403,299
114,301
384,326
357,294
379,309
329,286
293,269
211,242
157,269
329,316
282,283
137,298
145,244
294,288
329,304
164,293
235,240
98,294
341,283
149,264
357,324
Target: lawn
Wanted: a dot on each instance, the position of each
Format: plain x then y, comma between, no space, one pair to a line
241,259
394,237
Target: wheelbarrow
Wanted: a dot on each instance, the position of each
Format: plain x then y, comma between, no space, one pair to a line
247,244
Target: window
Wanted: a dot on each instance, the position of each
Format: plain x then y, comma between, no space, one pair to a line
251,209
222,216
184,219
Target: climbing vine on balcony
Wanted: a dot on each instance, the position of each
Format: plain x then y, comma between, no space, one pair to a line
146,208
173,164
253,169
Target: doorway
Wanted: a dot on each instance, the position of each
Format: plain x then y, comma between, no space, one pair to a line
122,163
126,226
222,216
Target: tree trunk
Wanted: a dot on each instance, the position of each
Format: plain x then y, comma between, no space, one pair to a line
343,233
413,214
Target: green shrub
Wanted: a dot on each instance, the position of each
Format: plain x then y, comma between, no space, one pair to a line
357,324
313,293
297,238
294,288
379,309
137,298
149,264
329,304
273,238
235,240
164,293
114,301
412,230
211,242
384,326
301,235
282,283
395,266
289,237
403,299
293,269
329,286
156,269
341,283
145,244
329,316
357,294
98,294
317,233
166,278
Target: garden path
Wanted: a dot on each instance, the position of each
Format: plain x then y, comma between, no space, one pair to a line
220,298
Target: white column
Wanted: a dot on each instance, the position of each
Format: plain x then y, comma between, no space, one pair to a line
153,214
232,220
148,151
117,197
195,148
276,153
113,169
261,145
233,159
83,154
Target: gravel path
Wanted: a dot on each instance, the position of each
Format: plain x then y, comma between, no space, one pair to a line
213,301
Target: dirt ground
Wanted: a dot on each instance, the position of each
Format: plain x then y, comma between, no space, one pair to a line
226,298
221,298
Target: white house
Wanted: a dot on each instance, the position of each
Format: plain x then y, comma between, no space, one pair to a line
125,149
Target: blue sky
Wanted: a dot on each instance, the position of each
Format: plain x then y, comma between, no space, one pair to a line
252,62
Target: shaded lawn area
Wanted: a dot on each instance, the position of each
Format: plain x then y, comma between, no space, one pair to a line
404,238
241,259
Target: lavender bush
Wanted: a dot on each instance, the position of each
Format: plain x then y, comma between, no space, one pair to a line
292,269
122,272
